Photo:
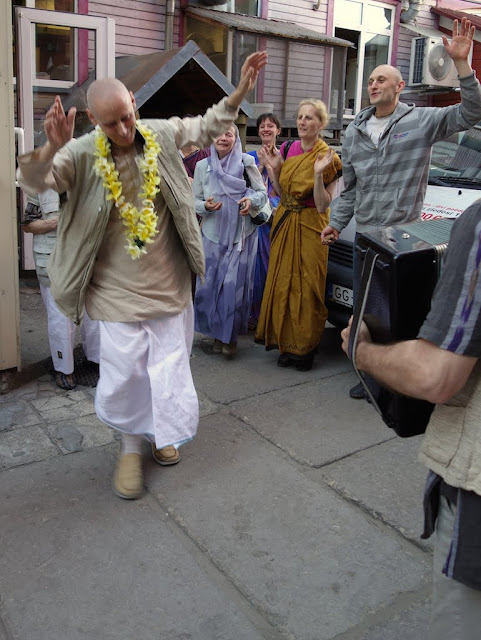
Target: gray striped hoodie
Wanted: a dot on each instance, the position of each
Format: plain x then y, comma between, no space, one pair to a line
386,185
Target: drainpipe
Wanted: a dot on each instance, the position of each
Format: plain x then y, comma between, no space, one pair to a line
169,25
410,14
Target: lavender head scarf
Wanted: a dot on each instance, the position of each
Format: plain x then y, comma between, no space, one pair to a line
228,186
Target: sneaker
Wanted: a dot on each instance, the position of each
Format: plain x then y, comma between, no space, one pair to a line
217,346
229,350
358,392
128,482
166,455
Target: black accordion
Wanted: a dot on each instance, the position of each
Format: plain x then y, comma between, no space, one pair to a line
400,268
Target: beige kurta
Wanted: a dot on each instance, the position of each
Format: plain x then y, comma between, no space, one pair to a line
156,284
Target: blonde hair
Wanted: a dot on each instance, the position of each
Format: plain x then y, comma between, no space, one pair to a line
320,108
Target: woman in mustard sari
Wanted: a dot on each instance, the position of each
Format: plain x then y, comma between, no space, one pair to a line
293,313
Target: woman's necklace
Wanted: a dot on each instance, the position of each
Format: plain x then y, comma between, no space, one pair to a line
141,224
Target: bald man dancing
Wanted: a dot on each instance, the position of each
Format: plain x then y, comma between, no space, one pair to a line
128,239
387,150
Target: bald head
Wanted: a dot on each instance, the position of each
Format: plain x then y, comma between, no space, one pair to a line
384,88
112,106
389,71
103,91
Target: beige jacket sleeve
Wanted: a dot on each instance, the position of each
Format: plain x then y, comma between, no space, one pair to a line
202,130
35,177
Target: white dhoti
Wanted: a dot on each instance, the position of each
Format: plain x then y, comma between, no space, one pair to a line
61,335
145,386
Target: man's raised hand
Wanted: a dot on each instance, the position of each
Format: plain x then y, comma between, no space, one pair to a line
461,42
59,126
248,77
251,67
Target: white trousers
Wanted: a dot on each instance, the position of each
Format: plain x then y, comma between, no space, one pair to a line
61,335
145,386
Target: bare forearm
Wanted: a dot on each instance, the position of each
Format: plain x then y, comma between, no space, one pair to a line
274,178
322,198
391,365
416,368
39,227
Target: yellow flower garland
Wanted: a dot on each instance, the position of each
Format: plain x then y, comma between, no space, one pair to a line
141,224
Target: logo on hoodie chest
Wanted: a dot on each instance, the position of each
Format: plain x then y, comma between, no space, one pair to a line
400,136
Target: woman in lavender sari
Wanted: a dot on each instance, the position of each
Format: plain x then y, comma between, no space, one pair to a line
229,193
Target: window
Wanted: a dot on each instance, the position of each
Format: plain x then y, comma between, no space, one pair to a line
212,39
55,47
247,7
369,25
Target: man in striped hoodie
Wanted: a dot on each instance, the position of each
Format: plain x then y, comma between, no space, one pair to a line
387,149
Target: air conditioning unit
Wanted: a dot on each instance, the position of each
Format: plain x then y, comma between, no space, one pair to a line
430,64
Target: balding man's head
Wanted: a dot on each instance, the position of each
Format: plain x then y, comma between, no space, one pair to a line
387,70
112,106
103,90
384,88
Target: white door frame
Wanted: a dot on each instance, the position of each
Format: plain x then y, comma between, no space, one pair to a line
9,294
26,19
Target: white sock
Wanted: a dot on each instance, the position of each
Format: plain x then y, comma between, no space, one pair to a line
130,444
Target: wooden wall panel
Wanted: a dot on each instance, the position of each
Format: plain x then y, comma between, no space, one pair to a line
139,24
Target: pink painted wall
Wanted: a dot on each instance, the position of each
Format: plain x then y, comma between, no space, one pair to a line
139,24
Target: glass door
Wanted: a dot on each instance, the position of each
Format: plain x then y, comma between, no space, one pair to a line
57,54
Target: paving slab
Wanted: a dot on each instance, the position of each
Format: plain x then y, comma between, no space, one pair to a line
18,414
56,408
25,445
410,624
84,565
38,389
387,480
313,563
310,423
206,406
396,622
254,370
27,391
85,432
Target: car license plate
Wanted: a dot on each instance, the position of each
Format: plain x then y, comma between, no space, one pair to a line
341,295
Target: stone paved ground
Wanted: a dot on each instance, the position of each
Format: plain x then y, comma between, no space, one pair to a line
294,514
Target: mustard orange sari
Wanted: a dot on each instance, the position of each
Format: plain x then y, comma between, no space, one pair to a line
293,313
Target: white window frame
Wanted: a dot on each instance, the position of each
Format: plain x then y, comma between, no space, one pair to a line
364,34
30,4
57,84
27,18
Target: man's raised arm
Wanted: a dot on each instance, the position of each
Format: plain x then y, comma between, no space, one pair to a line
201,130
34,172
